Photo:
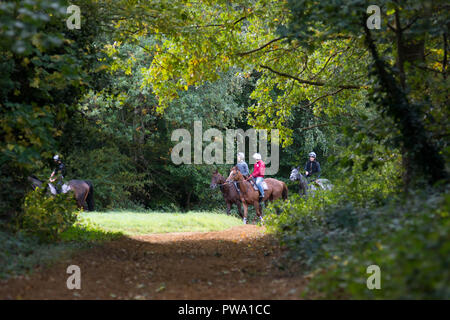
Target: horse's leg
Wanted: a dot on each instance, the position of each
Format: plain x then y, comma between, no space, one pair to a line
79,201
258,209
228,207
245,211
238,205
83,200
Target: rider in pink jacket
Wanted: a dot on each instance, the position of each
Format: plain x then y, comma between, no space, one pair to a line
258,173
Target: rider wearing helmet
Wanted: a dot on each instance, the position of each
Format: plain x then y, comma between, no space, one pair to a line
258,173
59,171
242,167
312,167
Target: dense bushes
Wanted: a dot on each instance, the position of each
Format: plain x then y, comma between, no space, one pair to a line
112,174
335,238
47,217
408,240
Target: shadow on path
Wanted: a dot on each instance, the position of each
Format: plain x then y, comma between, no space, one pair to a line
238,263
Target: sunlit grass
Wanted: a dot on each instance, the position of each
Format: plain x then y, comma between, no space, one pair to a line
134,223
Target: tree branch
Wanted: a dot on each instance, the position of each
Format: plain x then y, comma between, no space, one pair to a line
218,25
240,54
410,24
319,125
321,97
313,83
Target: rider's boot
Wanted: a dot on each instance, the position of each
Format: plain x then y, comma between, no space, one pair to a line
261,197
237,187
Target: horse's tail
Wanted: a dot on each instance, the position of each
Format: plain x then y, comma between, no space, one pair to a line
90,196
284,193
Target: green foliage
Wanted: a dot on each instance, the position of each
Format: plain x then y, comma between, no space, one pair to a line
408,240
21,253
47,216
112,174
323,69
336,235
402,77
44,71
132,168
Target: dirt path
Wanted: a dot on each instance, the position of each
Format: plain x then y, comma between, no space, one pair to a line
238,263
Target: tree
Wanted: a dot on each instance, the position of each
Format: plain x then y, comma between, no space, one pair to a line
316,54
44,70
405,80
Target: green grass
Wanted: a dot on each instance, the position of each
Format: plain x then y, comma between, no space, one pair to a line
135,223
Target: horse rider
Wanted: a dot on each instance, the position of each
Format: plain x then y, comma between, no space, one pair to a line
258,174
243,168
312,167
59,171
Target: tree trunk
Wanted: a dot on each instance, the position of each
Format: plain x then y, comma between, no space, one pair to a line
188,200
421,157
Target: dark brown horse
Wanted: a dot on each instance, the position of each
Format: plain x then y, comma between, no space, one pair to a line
83,191
229,191
249,196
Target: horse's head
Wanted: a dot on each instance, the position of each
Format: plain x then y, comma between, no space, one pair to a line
216,179
295,174
235,175
35,182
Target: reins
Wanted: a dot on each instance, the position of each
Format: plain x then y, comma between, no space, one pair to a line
226,182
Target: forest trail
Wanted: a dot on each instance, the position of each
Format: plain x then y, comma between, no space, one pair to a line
237,263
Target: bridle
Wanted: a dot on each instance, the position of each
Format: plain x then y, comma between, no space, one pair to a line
231,181
297,175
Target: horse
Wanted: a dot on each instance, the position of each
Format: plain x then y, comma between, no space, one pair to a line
83,191
249,196
229,191
304,186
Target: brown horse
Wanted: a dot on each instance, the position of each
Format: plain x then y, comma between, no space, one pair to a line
229,192
250,196
83,191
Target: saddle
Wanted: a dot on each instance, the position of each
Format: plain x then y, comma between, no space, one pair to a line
264,185
63,189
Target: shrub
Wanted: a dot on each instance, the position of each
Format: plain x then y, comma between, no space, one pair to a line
47,216
335,240
408,240
112,173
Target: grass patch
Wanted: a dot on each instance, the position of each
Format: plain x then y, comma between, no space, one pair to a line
87,231
135,223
